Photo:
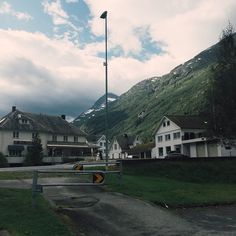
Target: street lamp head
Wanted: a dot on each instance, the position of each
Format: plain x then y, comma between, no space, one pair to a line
104,15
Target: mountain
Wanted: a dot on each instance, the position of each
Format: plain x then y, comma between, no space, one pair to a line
92,111
138,111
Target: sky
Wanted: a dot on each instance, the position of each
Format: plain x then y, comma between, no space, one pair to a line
52,51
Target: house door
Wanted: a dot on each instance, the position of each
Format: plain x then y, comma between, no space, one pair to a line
212,150
201,150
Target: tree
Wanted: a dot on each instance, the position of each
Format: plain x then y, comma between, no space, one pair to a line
35,152
222,95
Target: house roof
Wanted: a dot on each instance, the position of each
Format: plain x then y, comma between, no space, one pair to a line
189,122
186,122
125,141
38,123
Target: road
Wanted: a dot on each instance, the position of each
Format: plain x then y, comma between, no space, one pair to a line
95,212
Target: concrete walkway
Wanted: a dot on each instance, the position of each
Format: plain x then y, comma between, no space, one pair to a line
95,212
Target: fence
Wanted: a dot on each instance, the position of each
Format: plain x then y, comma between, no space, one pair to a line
98,176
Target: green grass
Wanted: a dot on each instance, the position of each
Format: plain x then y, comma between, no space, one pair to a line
19,218
177,183
11,175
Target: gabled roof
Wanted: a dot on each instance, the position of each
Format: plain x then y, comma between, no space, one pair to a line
189,122
38,123
125,141
186,122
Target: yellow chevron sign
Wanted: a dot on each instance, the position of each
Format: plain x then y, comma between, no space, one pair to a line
78,167
98,177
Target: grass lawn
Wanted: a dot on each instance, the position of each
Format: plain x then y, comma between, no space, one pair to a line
178,183
11,175
19,218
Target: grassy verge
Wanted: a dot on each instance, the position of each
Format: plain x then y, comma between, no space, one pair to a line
19,218
179,183
11,175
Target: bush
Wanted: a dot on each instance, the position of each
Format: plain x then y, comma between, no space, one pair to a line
3,160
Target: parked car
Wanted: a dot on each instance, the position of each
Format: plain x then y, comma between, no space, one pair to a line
177,155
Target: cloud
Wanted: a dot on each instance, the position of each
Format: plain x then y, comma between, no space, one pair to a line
6,8
39,72
181,28
54,9
71,1
55,76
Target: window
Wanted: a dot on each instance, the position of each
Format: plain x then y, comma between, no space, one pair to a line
164,124
159,139
101,144
176,135
65,138
24,121
115,146
34,135
15,153
54,138
75,138
167,137
168,123
15,134
168,149
160,151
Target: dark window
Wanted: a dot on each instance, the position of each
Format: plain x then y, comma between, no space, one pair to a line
65,138
164,124
160,151
176,135
34,135
168,149
15,153
115,146
167,137
54,138
15,134
168,123
159,139
24,121
75,138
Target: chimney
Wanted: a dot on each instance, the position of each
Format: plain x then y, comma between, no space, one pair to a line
63,117
13,108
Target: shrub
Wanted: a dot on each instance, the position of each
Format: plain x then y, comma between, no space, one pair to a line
3,160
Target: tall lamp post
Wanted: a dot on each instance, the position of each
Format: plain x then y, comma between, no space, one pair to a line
104,16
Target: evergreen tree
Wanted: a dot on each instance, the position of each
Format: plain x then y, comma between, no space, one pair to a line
35,152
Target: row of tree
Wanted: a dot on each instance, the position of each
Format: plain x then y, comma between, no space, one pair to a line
222,92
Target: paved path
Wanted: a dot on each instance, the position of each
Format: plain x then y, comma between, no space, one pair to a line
95,212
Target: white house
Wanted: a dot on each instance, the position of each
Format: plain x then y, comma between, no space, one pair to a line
187,135
101,142
58,137
121,145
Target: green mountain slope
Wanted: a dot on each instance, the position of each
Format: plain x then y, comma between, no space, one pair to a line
138,111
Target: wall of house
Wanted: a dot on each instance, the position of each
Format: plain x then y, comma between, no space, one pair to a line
137,141
226,150
6,138
102,143
115,151
167,128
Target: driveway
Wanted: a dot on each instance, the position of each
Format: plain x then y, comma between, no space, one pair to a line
95,212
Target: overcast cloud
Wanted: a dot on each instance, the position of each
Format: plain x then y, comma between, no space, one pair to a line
62,72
